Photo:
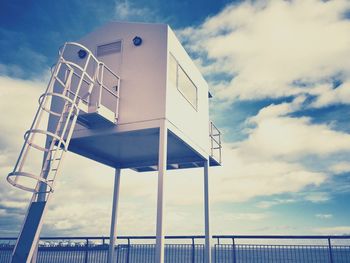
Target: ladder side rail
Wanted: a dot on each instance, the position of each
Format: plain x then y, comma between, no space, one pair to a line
47,196
30,135
49,158
54,152
24,150
59,123
53,147
36,195
56,172
73,107
46,171
75,99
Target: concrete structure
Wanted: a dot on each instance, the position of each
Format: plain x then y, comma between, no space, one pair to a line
128,96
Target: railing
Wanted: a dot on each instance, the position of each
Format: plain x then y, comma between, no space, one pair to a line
286,249
106,83
190,249
215,140
108,88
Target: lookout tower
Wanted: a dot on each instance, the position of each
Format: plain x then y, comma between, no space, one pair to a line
126,95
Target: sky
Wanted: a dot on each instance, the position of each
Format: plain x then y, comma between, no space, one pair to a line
279,72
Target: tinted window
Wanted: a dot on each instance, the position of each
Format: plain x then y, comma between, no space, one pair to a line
179,79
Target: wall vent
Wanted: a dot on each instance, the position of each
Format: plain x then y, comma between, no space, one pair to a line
110,48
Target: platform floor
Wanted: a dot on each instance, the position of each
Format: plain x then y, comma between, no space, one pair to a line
137,150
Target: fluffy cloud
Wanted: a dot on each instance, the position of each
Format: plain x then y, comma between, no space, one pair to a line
125,10
275,134
270,49
341,167
336,230
324,216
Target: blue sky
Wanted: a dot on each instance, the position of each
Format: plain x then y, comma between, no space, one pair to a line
280,75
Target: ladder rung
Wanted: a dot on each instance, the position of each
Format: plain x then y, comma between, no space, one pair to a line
52,160
57,149
48,170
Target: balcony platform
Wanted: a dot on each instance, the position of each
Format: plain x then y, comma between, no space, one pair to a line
137,150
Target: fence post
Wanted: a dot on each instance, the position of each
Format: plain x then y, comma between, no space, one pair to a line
330,250
217,249
86,251
234,250
193,251
117,256
128,255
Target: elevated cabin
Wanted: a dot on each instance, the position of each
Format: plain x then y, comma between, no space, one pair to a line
158,81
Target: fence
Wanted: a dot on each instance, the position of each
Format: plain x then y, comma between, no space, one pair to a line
190,249
286,249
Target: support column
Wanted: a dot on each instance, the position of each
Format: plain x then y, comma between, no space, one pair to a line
113,235
207,252
162,164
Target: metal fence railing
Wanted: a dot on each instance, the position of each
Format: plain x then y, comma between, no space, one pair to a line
286,249
190,249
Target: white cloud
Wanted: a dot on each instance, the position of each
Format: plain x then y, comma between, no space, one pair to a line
317,197
245,176
341,167
270,203
336,230
270,160
327,95
277,135
267,46
324,216
250,216
126,10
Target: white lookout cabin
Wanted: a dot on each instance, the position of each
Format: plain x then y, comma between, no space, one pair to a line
159,82
126,95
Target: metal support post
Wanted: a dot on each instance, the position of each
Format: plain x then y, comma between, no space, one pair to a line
162,163
113,235
207,252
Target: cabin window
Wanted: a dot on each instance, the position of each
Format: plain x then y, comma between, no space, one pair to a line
186,87
110,48
179,79
172,71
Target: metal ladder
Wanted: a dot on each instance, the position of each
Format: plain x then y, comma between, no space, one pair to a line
57,141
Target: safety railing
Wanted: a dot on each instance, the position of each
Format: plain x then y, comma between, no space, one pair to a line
190,249
106,83
215,141
78,81
286,249
109,86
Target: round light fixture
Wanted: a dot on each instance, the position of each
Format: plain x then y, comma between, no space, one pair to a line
137,41
82,53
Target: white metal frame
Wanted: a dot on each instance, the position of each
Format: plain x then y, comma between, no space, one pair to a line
56,142
207,250
162,164
113,234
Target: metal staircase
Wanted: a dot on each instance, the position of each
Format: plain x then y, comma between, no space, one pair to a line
73,80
